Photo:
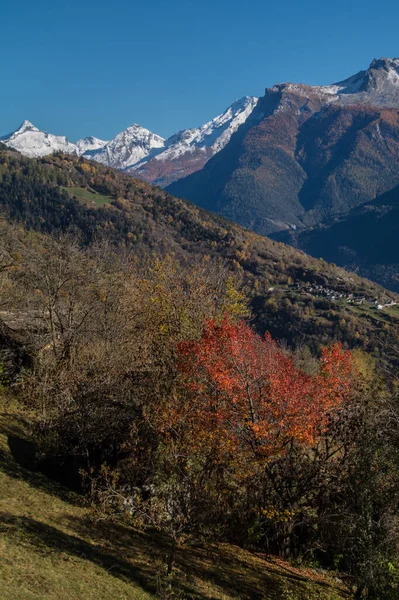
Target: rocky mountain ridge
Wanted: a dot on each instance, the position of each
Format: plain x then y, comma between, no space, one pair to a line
139,151
306,154
190,149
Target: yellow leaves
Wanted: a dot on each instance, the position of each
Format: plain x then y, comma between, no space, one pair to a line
87,167
234,301
272,304
164,329
122,204
364,364
275,514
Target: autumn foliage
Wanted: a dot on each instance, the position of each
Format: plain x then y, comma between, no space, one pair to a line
248,394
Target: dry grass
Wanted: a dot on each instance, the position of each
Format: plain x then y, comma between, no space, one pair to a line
51,548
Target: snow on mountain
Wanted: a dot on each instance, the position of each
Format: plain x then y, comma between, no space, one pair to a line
89,144
376,86
188,150
127,148
32,142
145,154
213,135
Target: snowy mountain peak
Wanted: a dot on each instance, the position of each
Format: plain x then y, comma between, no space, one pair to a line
382,71
188,150
385,64
136,126
376,86
243,103
210,137
32,142
217,133
141,133
128,147
89,144
25,126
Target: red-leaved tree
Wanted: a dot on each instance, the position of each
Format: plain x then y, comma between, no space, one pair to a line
247,396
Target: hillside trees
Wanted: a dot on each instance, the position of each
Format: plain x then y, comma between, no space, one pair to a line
254,426
258,451
148,372
104,331
146,221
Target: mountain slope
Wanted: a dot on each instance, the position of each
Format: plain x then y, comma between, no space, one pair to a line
188,150
52,547
292,295
306,154
364,240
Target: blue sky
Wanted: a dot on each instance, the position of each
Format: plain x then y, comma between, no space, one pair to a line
93,67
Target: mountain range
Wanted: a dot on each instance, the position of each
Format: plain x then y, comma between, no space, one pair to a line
139,151
306,154
314,166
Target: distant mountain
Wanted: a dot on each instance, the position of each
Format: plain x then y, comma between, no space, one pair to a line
306,154
189,150
32,142
127,148
139,151
88,144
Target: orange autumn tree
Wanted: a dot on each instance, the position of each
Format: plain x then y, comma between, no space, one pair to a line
249,399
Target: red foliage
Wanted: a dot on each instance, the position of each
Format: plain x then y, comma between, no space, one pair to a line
249,396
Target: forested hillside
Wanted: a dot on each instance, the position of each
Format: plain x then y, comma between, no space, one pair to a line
365,239
291,294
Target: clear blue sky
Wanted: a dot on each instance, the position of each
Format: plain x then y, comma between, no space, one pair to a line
94,67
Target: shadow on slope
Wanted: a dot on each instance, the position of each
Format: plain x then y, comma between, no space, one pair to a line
53,547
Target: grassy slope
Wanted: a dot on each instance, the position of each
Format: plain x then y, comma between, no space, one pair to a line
88,196
51,548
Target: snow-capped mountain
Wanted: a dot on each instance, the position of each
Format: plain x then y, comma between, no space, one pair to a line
214,135
147,155
307,154
137,149
127,148
188,150
32,142
376,86
89,144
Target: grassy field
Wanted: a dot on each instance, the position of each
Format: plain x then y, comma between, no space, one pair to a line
51,547
88,196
